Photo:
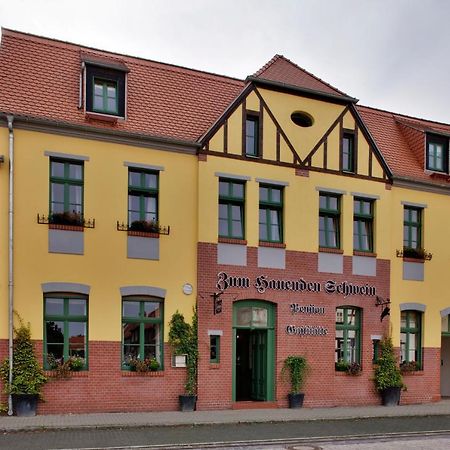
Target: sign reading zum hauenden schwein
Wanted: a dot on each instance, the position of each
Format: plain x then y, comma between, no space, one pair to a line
263,283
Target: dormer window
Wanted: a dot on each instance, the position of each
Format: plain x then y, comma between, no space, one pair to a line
437,153
104,88
105,96
105,91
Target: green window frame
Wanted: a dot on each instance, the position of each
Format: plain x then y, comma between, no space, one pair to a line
348,152
142,329
270,213
437,154
411,337
105,96
252,136
66,186
376,350
329,220
348,335
143,196
445,328
65,327
363,213
231,208
412,227
214,349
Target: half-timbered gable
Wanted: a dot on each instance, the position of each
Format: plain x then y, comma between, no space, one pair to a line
305,124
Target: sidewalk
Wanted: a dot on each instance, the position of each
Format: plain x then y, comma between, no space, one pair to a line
146,419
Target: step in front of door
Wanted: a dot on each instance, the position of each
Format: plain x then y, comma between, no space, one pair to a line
254,405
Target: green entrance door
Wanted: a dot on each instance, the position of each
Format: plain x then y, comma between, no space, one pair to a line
254,340
259,360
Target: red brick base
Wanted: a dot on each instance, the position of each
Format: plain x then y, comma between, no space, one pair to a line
424,385
107,388
324,386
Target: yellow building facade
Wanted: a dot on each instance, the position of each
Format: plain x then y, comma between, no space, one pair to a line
295,221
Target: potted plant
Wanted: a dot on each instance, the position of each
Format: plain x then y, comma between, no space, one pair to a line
183,341
62,368
409,367
143,365
296,368
146,226
66,218
341,366
27,375
388,378
354,369
351,368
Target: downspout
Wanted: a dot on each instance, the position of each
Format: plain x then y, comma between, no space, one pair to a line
10,253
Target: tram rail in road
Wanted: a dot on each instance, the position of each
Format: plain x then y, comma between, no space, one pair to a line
436,440
324,434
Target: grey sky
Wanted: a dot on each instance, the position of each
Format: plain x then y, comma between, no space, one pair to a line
391,54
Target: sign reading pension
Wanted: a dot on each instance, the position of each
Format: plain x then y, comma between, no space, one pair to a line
263,283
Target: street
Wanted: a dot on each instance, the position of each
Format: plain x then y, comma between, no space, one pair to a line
420,432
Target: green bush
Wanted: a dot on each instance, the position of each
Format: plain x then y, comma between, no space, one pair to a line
28,376
183,340
387,372
296,368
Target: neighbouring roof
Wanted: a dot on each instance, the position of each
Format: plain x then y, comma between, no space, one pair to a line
401,140
39,77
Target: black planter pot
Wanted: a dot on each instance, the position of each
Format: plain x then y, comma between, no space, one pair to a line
187,402
296,400
24,405
390,396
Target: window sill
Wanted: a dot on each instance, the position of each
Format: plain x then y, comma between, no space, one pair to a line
439,175
225,240
368,254
129,373
71,374
102,116
58,226
214,366
78,223
344,373
413,260
331,250
412,373
418,255
143,234
272,244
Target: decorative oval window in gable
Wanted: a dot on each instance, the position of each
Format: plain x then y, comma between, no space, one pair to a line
302,119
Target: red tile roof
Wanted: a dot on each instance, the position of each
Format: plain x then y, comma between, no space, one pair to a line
401,140
39,77
282,70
